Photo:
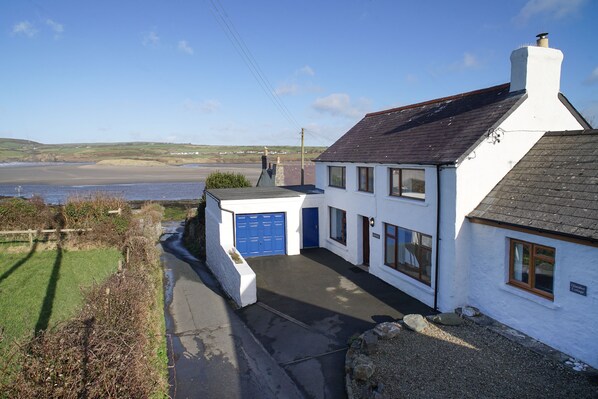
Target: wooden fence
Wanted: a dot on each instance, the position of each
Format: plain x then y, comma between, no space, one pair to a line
31,232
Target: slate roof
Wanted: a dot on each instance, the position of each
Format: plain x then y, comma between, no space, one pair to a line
553,188
435,132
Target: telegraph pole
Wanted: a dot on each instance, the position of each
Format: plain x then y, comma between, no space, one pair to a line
302,159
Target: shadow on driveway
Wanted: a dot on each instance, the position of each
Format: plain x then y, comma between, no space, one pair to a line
310,305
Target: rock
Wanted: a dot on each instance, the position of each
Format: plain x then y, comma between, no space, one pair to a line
370,342
415,322
387,330
470,311
363,368
447,319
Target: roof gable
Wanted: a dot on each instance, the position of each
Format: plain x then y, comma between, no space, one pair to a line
553,188
433,132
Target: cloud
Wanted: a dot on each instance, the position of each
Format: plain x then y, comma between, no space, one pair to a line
184,47
593,78
340,104
469,61
287,88
306,70
556,9
151,39
24,28
411,78
203,107
56,27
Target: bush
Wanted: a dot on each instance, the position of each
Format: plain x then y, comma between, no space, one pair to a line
24,214
93,213
194,234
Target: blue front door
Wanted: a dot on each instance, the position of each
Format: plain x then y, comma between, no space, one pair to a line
260,234
311,236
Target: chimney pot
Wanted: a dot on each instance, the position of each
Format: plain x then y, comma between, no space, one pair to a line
542,39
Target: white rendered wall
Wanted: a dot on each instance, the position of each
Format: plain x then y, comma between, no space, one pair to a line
569,323
238,280
408,213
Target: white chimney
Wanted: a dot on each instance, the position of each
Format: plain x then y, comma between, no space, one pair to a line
537,69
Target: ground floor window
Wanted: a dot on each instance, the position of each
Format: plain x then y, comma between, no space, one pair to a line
409,252
531,267
338,225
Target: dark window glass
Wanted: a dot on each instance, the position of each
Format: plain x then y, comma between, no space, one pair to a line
338,225
410,252
336,176
531,267
409,183
366,179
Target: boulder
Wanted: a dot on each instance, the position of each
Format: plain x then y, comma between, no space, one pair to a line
415,322
470,311
363,368
387,330
447,319
370,342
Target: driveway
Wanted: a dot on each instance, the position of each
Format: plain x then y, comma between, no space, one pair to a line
309,306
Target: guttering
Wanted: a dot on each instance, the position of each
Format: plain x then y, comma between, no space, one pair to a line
437,236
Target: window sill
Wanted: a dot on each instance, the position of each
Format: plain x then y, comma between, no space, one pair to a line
547,303
337,244
338,188
405,278
366,193
405,200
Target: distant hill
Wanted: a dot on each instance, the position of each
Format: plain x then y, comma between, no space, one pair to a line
16,150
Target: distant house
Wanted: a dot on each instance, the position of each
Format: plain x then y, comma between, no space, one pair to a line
395,193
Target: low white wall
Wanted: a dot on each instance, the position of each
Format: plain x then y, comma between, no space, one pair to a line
238,280
569,323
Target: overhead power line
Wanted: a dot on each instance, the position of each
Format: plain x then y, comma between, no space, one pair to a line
226,24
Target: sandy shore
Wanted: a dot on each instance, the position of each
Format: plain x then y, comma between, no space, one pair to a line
73,175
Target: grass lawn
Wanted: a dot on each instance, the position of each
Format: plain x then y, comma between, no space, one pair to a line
41,288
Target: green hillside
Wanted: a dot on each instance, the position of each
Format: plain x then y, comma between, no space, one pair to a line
12,150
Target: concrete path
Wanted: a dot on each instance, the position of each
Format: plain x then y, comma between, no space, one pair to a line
212,352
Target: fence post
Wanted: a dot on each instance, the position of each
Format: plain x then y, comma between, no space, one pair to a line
30,237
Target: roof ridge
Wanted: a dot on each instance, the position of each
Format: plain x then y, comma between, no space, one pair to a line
437,100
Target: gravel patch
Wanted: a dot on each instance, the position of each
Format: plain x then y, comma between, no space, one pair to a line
469,361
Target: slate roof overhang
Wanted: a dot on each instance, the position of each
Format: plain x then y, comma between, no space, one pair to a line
552,189
437,132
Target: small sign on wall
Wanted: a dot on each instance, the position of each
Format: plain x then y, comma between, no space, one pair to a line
376,235
578,288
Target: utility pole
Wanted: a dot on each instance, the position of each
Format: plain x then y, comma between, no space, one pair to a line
302,159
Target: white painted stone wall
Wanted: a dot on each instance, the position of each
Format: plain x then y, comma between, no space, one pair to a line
238,280
569,323
404,212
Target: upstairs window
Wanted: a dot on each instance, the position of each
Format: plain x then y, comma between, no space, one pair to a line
531,268
336,176
410,183
366,179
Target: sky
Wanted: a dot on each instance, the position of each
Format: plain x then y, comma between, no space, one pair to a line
256,72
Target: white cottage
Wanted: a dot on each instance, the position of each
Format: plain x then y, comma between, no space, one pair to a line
394,193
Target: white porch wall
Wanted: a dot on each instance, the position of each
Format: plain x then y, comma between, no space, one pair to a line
569,324
408,213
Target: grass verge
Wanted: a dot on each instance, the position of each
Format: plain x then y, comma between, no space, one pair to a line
38,289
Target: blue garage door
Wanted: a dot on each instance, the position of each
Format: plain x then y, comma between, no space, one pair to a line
260,234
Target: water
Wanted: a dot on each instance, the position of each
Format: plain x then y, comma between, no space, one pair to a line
56,194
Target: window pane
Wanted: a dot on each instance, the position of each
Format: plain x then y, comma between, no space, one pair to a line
520,262
371,180
363,179
415,257
389,257
338,225
544,275
544,251
336,176
413,183
394,182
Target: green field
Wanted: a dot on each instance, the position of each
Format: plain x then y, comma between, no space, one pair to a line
41,288
12,150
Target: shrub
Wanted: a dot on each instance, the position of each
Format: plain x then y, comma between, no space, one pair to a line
194,234
24,214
